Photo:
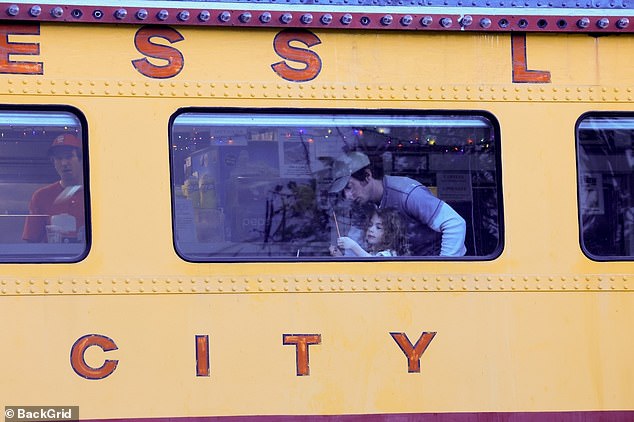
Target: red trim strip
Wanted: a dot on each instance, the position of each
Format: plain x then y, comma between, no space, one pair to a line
573,416
293,18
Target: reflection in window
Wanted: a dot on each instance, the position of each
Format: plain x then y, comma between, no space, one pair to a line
42,195
268,185
606,185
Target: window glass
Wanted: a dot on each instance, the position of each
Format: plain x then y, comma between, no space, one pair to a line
42,186
319,186
606,185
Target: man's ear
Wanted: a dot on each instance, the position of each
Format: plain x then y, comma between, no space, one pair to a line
368,175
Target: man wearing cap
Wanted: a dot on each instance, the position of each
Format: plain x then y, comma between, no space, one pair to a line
434,227
61,202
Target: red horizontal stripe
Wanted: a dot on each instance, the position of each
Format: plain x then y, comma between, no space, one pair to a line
505,19
570,416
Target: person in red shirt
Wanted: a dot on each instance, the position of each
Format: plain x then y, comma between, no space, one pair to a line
60,205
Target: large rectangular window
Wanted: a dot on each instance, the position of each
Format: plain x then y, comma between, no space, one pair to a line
321,185
43,192
605,157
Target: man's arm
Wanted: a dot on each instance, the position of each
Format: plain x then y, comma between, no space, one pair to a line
422,205
453,229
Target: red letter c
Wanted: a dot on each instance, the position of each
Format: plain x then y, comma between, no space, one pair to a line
79,364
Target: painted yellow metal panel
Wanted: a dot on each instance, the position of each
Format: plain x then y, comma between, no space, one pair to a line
493,352
540,328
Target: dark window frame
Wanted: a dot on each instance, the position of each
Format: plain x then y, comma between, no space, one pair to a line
493,125
580,217
62,257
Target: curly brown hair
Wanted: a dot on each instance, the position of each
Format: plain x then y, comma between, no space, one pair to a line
394,234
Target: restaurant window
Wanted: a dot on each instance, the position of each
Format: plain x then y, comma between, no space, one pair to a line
605,159
43,192
252,185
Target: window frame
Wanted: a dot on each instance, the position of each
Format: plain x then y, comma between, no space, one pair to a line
491,120
83,134
582,242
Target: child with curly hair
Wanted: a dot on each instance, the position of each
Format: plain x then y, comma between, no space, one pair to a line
384,236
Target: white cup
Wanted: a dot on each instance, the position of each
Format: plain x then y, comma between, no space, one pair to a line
54,234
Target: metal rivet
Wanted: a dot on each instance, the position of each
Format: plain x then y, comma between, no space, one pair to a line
35,11
387,20
183,15
426,20
326,19
622,23
162,15
446,22
141,14
466,20
286,18
57,12
306,18
13,10
583,23
245,17
485,23
204,16
265,17
407,20
224,16
603,23
120,13
346,19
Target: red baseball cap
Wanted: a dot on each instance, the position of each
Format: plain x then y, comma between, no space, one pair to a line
65,140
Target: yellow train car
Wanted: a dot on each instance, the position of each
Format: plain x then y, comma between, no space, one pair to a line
262,211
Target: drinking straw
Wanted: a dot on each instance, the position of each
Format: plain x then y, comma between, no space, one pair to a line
336,224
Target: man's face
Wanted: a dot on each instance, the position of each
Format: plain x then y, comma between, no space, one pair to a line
68,166
357,191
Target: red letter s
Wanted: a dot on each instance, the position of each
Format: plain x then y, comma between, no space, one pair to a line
310,59
143,43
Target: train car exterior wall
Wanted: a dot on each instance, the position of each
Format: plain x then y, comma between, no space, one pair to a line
135,331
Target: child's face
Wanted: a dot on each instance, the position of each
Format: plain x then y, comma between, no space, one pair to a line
374,233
